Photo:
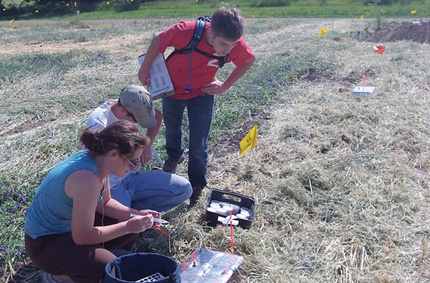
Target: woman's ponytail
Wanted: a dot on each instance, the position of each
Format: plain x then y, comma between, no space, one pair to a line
121,135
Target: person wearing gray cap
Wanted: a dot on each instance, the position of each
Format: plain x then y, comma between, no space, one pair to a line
153,189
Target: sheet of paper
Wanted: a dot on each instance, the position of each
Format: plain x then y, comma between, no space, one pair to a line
160,84
363,90
204,266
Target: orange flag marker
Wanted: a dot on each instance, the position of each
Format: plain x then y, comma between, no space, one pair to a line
379,49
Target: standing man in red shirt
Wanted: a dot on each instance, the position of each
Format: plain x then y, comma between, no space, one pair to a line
195,84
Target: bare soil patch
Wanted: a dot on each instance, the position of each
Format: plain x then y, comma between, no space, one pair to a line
418,31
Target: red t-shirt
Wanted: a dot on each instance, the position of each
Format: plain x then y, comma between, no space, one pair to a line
203,69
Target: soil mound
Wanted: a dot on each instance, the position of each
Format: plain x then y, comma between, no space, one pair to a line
417,31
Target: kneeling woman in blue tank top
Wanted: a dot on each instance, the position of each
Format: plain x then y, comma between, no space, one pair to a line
66,234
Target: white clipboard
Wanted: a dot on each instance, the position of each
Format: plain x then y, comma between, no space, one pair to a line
160,84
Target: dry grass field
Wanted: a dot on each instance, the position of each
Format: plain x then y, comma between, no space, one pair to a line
340,181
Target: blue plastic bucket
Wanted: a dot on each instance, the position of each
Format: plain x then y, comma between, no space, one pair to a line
142,267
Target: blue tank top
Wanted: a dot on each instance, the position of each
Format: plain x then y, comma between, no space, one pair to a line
51,209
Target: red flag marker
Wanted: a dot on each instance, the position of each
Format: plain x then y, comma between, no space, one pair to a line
379,49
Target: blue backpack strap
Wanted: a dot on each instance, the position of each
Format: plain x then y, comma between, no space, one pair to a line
198,33
197,36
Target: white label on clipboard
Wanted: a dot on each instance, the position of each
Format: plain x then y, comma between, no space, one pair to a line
160,84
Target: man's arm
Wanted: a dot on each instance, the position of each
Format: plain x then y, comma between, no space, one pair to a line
152,134
144,78
218,87
150,55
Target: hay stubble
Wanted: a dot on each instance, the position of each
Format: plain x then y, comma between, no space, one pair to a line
340,182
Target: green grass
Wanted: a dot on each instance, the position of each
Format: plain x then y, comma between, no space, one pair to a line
19,67
192,9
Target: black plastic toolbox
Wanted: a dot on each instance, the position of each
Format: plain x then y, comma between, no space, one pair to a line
231,198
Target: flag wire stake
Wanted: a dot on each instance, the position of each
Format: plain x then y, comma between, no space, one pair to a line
332,27
231,232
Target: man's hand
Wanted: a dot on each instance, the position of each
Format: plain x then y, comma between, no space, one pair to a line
215,87
146,155
143,76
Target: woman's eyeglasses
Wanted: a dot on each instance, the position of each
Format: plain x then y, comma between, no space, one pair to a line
133,163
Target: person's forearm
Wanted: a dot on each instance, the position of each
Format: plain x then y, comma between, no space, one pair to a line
152,52
114,209
152,132
101,234
150,55
238,72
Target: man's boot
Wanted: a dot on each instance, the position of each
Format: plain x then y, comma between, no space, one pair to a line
197,192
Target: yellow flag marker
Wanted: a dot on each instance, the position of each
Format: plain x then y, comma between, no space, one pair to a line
362,16
249,141
323,31
413,12
67,5
11,21
107,3
4,9
37,11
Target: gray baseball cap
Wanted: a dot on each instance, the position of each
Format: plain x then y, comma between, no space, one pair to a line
137,100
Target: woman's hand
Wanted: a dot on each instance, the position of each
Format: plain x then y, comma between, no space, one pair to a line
140,223
148,212
154,213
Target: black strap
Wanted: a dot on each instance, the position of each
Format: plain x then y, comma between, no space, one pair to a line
221,59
